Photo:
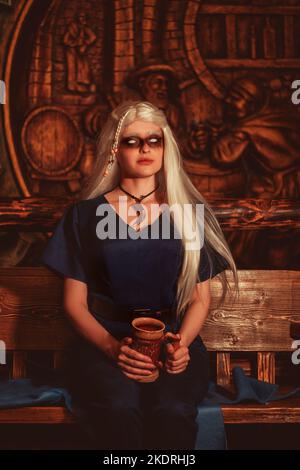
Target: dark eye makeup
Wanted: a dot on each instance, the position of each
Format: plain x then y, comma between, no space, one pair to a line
136,142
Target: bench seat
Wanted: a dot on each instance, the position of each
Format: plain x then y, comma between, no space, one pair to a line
32,319
278,412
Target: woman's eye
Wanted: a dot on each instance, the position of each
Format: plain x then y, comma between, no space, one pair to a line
131,141
154,140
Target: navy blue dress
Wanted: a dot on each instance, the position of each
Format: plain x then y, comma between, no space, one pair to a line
140,272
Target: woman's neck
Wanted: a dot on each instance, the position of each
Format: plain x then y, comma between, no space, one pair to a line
138,187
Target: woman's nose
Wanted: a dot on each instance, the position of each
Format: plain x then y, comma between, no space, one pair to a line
145,147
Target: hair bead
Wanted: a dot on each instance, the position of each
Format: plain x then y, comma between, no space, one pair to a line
114,147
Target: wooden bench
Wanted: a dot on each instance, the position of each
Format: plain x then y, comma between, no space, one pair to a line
32,319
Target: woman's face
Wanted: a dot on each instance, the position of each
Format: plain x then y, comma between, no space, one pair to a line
139,141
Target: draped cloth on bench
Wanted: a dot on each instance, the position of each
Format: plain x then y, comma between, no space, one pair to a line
211,430
16,393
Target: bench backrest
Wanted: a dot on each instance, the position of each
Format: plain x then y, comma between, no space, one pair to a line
32,317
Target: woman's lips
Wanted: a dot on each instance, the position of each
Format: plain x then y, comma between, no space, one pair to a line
145,162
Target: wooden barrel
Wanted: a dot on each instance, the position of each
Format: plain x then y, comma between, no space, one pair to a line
51,140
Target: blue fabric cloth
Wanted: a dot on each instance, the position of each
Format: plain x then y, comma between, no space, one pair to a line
211,431
16,393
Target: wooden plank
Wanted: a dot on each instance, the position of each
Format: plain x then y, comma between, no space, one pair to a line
32,213
43,214
253,63
36,415
284,411
249,9
18,365
231,36
260,319
31,314
58,360
295,329
266,367
223,369
279,412
289,34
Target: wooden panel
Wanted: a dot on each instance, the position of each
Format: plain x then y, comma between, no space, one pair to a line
280,412
58,360
43,214
295,329
260,320
285,411
223,369
37,415
31,316
18,365
231,36
266,367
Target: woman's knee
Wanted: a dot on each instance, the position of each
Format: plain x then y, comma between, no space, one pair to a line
174,409
117,409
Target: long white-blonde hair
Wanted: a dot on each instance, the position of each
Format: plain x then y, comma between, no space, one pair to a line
176,187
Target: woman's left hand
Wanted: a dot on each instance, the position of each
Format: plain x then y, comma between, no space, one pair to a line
178,360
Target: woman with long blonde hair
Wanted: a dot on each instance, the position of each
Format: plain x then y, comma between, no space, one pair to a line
141,240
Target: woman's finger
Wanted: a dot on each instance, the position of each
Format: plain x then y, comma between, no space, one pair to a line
134,370
135,363
176,369
132,376
170,371
126,340
179,362
177,354
135,354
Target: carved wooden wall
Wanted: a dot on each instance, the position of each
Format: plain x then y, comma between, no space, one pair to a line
221,71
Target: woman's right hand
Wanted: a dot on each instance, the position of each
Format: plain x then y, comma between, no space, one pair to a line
133,364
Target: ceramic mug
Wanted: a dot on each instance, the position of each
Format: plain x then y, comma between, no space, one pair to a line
149,337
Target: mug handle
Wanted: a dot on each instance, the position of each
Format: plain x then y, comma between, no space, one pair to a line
173,338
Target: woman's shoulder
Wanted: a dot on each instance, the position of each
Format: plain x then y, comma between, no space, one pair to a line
83,211
89,204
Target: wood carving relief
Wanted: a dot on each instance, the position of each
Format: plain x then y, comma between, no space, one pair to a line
77,39
221,71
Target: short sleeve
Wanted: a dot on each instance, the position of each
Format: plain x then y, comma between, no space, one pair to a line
64,253
219,263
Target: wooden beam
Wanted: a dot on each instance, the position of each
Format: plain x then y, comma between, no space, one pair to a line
279,412
223,369
36,415
18,364
266,367
42,214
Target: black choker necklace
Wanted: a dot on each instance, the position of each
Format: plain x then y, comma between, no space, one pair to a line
138,206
